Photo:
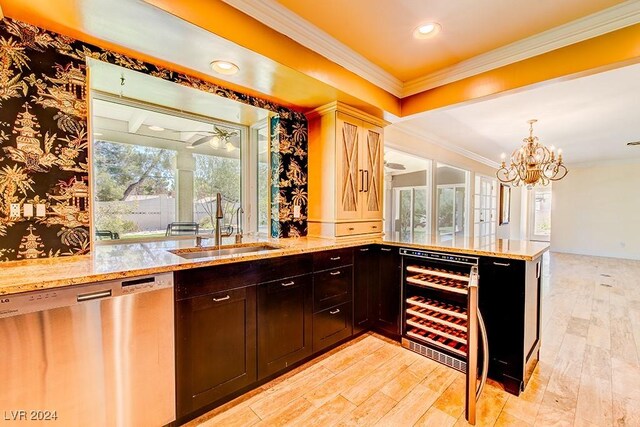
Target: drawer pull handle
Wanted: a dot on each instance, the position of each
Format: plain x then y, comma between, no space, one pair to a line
351,228
364,249
336,311
221,299
502,264
374,226
385,249
291,283
335,258
334,273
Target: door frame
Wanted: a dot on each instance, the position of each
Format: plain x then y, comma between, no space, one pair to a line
531,215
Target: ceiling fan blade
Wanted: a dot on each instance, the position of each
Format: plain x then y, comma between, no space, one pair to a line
201,141
395,166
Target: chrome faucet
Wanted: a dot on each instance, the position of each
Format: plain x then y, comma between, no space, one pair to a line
239,212
219,217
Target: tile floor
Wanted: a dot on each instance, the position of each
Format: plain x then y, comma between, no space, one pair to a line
588,375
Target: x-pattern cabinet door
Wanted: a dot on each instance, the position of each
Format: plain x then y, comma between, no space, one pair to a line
372,155
348,163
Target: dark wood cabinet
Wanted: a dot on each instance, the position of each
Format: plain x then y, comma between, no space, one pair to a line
216,347
388,292
509,299
284,323
332,297
332,287
331,326
365,277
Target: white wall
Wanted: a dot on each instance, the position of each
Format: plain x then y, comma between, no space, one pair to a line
596,211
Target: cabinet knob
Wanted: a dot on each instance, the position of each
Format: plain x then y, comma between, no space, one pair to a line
351,228
374,226
222,299
336,311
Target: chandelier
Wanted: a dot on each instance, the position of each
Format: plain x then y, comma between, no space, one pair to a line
532,164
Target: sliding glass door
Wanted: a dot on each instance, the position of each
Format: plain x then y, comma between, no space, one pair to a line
411,213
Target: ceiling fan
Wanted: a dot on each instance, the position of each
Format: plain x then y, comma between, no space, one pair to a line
222,136
394,166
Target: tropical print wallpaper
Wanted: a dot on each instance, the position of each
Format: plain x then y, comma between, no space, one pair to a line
44,145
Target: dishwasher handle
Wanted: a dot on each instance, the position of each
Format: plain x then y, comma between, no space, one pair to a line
93,295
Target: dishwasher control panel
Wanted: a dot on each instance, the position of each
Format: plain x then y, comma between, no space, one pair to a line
30,302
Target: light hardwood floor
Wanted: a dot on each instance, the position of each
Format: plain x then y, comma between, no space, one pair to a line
588,374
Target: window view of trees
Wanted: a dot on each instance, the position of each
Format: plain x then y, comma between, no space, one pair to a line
216,175
156,171
129,178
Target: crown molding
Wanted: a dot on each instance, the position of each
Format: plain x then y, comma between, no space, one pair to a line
337,106
283,20
436,140
605,21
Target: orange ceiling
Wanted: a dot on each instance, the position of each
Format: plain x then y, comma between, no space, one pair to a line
381,30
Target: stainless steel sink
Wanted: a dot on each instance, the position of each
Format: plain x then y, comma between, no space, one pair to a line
212,252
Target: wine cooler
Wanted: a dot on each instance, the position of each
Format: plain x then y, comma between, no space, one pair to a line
441,319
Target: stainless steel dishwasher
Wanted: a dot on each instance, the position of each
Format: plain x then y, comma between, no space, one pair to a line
90,355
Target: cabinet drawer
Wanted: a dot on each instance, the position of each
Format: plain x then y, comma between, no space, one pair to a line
331,326
332,259
355,228
331,287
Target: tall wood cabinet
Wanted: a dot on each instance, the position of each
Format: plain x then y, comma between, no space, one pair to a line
345,172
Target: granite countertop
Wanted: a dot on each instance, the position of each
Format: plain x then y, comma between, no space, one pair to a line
116,261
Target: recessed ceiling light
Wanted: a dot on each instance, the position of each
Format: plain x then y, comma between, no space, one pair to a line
224,67
156,128
427,30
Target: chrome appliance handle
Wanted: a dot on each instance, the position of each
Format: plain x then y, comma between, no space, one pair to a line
485,354
475,322
93,295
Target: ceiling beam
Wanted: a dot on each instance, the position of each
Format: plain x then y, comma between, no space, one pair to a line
135,121
592,56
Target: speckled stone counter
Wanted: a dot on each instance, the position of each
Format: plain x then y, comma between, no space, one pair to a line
116,261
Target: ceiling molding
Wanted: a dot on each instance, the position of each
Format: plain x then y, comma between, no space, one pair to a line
429,137
283,20
599,23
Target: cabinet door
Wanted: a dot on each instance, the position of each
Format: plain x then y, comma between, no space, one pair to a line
348,166
216,347
364,279
331,326
371,157
388,291
284,323
501,294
